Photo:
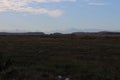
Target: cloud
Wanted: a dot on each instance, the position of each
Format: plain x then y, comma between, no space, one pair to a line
23,6
46,1
97,4
94,3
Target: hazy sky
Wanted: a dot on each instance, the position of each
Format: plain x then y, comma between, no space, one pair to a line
59,15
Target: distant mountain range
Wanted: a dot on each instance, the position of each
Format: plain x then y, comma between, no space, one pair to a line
101,32
22,33
75,33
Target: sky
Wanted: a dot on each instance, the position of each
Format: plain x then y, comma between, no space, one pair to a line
59,15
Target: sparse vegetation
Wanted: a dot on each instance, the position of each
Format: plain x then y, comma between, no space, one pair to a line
45,57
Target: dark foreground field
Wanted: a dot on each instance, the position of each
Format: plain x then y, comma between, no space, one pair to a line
47,57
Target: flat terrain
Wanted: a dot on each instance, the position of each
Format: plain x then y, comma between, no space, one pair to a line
83,57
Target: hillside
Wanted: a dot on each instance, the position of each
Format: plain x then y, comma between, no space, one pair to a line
35,57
